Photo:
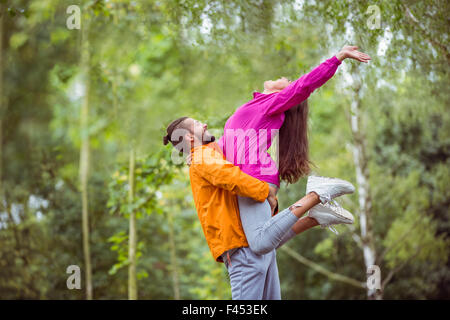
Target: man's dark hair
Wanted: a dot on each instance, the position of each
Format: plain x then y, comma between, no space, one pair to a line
175,124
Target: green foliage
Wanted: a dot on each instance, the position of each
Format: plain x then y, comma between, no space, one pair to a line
153,61
150,175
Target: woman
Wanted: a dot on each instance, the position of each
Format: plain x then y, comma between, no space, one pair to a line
248,135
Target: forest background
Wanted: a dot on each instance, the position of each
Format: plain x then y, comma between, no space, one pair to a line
86,181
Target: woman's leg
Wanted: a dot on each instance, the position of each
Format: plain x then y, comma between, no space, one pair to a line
263,232
300,226
304,224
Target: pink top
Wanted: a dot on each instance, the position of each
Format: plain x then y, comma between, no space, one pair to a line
248,133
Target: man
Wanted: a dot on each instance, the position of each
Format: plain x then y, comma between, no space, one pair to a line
215,183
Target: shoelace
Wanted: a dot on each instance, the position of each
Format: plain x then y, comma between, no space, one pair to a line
334,203
324,225
329,226
332,229
338,208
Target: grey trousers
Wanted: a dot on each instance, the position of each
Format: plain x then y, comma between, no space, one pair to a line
253,271
253,276
265,233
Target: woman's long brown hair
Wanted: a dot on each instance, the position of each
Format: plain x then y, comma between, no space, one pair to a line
294,151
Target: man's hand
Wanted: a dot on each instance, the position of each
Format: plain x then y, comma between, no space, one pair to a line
352,53
272,198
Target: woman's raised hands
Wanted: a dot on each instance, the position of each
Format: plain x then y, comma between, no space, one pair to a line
352,53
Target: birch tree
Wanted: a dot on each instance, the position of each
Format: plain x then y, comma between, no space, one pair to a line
132,287
362,179
84,153
2,100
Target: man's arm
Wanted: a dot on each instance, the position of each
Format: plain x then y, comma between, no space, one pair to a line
223,174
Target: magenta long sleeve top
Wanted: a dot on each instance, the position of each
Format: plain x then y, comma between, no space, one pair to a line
249,132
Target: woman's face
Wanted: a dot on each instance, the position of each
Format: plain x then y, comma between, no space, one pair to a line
276,85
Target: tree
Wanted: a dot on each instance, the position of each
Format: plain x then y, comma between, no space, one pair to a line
382,126
84,152
1,97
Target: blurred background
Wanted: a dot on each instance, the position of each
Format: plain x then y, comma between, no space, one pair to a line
85,179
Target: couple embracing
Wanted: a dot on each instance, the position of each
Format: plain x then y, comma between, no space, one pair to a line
235,181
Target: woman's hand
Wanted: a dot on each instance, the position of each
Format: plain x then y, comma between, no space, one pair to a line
352,53
273,204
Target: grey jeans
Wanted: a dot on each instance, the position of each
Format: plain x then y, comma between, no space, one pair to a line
253,270
253,276
265,233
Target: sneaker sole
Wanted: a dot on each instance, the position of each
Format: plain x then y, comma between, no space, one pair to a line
348,219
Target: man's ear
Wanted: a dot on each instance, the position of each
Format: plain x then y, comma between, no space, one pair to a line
189,137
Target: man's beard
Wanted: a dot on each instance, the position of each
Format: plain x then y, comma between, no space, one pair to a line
207,139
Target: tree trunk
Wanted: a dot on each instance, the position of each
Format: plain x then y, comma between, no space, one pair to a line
173,257
84,157
362,181
132,238
2,101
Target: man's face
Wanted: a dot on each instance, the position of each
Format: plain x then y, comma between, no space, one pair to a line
199,131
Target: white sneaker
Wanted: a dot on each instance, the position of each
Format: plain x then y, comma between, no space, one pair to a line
328,188
329,214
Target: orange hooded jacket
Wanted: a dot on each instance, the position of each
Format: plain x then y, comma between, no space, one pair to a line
215,182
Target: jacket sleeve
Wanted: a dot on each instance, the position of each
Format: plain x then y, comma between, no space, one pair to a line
300,89
223,174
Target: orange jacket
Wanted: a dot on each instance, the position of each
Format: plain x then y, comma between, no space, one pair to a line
215,183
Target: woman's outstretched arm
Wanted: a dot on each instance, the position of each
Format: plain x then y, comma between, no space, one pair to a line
300,89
